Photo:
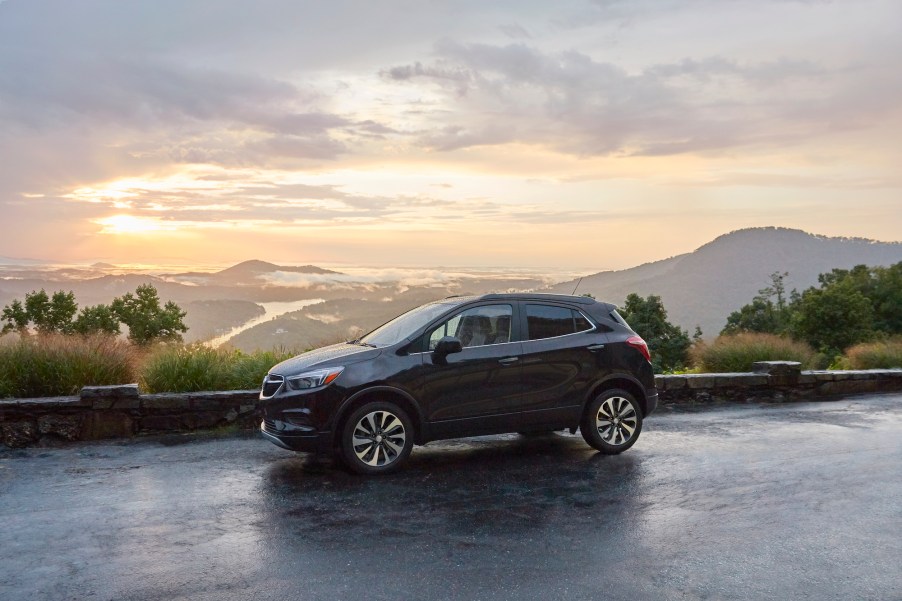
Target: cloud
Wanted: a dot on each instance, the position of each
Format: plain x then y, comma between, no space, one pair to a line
293,114
579,105
401,278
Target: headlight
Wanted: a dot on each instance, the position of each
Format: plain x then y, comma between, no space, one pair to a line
314,379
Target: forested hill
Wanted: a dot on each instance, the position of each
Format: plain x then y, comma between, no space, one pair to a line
704,286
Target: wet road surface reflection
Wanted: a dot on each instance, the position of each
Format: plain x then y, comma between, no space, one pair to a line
797,501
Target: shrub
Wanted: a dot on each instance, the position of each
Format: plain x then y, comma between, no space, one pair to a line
195,367
874,355
738,352
56,365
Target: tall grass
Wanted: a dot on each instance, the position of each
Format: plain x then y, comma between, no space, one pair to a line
61,365
195,367
874,355
740,351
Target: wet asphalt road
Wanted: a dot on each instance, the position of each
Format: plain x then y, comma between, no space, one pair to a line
798,501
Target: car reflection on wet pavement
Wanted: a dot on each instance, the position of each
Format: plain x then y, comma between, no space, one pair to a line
738,502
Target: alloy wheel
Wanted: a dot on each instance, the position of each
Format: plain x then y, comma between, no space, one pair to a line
616,420
379,438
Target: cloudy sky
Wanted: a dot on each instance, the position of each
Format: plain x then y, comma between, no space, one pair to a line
580,133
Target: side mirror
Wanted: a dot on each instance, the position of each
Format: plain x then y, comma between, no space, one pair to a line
447,345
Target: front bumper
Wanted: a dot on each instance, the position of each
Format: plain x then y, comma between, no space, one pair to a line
312,442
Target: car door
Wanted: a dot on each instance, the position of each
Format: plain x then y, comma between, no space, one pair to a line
559,360
483,380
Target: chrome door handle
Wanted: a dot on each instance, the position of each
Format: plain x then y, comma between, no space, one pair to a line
508,360
595,347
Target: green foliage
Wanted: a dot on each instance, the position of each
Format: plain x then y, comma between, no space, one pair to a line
195,367
55,365
885,354
16,318
882,286
737,353
147,321
768,312
98,319
833,318
50,315
668,343
847,307
141,312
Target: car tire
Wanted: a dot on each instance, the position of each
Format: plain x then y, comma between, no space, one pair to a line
612,422
376,438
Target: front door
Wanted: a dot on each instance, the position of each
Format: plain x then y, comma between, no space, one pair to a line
480,381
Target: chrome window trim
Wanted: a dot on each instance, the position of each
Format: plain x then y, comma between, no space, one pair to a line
475,346
592,329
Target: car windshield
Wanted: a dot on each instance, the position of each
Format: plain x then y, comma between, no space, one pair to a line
406,324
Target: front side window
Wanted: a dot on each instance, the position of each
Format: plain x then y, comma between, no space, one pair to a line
479,326
549,321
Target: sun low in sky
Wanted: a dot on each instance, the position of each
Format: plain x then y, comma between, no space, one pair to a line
585,134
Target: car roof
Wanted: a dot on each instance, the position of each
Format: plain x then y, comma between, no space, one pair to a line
538,296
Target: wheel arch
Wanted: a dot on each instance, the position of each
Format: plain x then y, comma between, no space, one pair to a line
379,393
622,381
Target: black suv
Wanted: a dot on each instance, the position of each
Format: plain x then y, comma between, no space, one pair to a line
465,366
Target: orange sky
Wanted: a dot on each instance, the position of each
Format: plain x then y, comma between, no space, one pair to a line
574,135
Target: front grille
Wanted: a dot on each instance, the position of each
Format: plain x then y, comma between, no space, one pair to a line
269,425
271,385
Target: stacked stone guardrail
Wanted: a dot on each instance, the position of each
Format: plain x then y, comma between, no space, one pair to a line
774,381
120,411
101,412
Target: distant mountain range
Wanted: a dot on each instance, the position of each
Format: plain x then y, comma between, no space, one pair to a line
247,273
704,286
698,288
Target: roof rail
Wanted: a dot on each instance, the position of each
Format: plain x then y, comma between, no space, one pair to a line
582,300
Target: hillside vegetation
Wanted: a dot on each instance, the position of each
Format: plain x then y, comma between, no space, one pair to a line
704,286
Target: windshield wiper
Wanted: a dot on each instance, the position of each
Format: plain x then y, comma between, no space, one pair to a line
359,343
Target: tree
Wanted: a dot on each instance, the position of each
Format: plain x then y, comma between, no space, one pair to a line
147,321
59,316
48,314
99,319
881,285
141,312
848,306
833,318
763,314
668,343
16,318
887,299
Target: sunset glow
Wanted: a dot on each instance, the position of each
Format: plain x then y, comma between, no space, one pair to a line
128,224
512,133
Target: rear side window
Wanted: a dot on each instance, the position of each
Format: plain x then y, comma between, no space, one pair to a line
548,321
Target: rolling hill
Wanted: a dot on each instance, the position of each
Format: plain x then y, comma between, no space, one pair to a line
704,286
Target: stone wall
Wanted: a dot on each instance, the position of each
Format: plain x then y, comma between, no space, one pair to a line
773,381
120,411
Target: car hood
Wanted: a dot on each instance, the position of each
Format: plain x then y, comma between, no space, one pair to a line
335,354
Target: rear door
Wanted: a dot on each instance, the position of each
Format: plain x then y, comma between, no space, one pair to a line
561,349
